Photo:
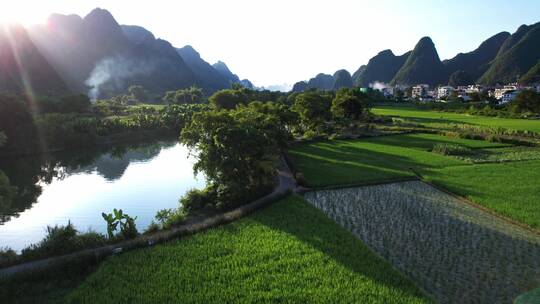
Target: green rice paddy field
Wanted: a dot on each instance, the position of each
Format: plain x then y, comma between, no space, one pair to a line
427,117
509,188
289,252
292,252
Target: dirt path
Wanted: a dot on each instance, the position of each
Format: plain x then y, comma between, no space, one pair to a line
455,252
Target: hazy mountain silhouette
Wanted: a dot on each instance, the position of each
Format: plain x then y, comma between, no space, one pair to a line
210,78
23,69
342,79
382,68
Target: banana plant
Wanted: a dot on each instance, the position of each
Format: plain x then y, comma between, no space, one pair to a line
127,224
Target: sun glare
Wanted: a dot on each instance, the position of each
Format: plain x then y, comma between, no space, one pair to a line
12,15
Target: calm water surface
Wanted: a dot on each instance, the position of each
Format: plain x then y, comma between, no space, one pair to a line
78,186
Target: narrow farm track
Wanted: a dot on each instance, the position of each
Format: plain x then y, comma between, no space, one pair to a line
454,251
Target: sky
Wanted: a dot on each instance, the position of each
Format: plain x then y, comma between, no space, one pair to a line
272,42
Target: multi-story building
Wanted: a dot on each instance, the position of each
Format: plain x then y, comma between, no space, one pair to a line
499,92
419,91
508,96
444,91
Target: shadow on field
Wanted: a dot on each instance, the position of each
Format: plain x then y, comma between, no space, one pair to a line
314,228
333,163
457,253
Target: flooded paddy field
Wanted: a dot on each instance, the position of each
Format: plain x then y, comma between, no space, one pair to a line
454,251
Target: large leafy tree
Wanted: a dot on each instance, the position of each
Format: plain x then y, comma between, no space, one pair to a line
191,95
349,105
527,101
313,109
237,150
228,99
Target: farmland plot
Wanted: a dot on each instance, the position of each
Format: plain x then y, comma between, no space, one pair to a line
454,251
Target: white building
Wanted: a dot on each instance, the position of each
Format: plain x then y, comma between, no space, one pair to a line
508,96
419,91
445,91
475,88
499,92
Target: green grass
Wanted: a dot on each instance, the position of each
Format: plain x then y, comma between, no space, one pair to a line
376,159
428,118
510,189
505,154
506,181
289,252
427,141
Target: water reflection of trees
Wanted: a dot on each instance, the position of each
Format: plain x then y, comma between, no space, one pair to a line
28,174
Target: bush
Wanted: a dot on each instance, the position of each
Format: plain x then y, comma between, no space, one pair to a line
61,240
168,218
7,256
196,199
451,149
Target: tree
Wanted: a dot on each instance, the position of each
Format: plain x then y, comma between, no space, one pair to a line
228,99
237,150
74,104
527,101
191,95
138,93
313,109
18,125
347,105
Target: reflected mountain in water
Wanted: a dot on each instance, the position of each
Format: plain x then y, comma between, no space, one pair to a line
29,173
112,165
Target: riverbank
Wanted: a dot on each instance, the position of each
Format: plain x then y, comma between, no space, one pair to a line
194,224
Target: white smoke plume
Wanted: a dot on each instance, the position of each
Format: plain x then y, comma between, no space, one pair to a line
113,71
380,86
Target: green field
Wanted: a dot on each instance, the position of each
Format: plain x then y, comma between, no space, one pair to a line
289,252
339,162
427,117
509,188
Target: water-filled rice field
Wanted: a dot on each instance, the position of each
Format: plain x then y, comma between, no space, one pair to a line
456,252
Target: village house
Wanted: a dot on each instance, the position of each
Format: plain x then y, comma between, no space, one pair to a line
499,92
444,91
508,96
419,91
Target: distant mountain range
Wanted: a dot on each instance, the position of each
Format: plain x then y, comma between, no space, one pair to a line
95,54
98,56
502,58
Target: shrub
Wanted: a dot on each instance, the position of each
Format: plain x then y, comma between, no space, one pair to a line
7,256
169,217
196,199
451,149
61,240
